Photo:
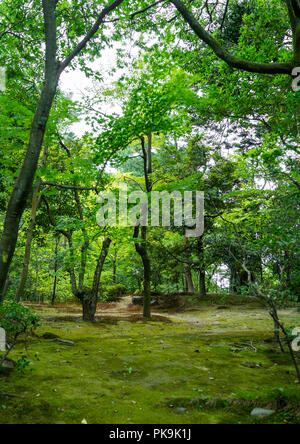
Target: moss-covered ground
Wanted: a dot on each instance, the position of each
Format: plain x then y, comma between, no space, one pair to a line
212,365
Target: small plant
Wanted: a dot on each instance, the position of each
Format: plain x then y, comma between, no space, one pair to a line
16,320
22,364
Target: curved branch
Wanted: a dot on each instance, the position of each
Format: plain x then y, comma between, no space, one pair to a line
81,45
67,187
235,62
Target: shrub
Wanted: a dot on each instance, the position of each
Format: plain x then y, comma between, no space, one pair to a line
16,320
112,293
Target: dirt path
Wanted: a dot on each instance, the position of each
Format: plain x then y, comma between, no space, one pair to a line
209,319
125,307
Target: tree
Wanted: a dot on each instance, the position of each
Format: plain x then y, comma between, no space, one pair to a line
52,73
153,104
76,222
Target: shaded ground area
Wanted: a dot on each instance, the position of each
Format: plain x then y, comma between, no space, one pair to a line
211,365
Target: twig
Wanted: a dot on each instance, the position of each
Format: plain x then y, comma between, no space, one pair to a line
7,395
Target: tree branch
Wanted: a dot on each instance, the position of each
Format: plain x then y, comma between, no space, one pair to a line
235,62
90,34
67,187
225,15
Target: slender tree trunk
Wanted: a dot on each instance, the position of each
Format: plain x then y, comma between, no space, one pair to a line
89,299
142,251
233,280
188,273
202,270
115,267
99,266
149,158
7,283
296,37
53,298
141,247
274,315
36,279
147,286
202,284
288,280
189,279
23,186
184,285
34,206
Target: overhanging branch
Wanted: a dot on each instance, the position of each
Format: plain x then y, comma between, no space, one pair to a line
220,51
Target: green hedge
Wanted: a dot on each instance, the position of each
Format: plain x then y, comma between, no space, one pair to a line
111,293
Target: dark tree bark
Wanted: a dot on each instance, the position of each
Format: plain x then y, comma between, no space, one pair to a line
188,273
99,267
115,266
53,297
89,297
142,251
233,280
34,207
141,247
202,283
89,307
202,270
6,286
37,270
189,279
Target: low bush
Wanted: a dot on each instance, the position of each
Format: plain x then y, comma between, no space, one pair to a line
112,293
16,320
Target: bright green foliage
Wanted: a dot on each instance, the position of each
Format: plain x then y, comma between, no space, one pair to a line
230,133
17,319
111,293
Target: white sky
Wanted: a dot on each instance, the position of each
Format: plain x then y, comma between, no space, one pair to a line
77,85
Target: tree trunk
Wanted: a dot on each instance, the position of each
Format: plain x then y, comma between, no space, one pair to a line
53,298
141,247
288,280
89,298
36,279
23,186
142,251
202,284
188,273
99,267
202,270
274,314
189,279
233,281
7,283
115,267
89,307
147,286
184,285
34,206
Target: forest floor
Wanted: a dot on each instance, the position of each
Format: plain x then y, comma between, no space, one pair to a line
211,364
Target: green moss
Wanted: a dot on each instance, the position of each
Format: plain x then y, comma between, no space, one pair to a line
141,372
